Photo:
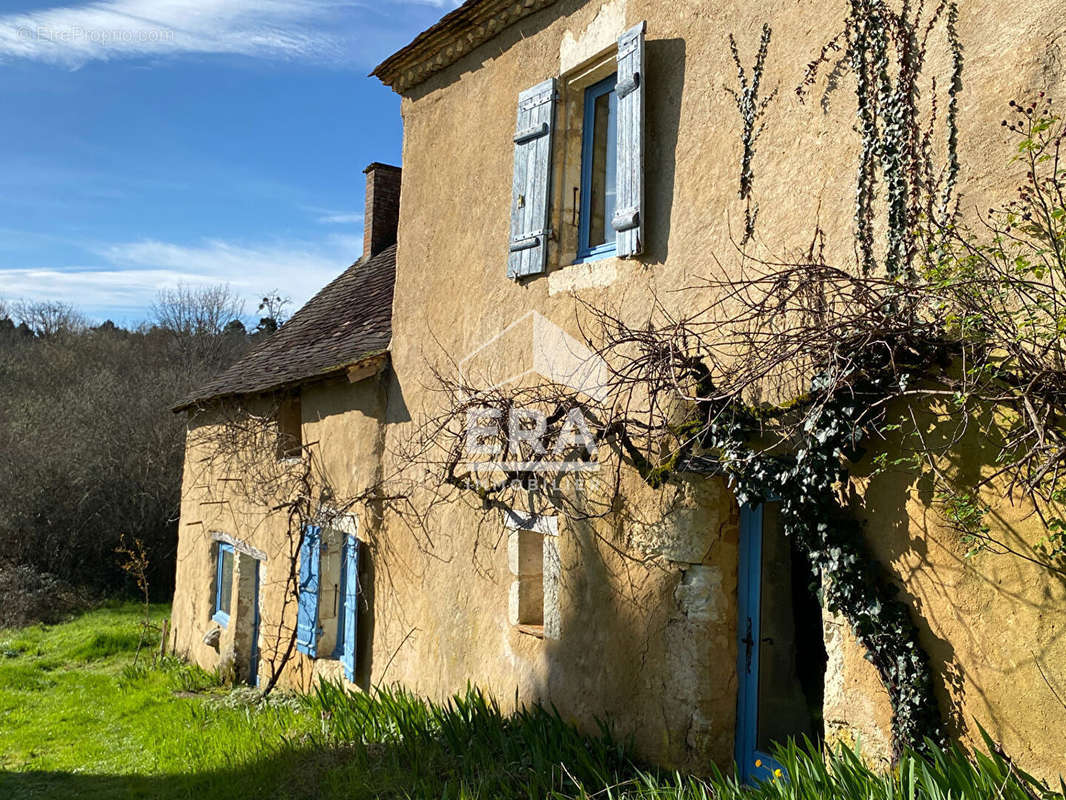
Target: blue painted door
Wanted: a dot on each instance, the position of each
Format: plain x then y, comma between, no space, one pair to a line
349,610
753,764
780,650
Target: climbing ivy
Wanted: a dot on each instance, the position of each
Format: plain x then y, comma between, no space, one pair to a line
751,108
806,474
886,50
808,485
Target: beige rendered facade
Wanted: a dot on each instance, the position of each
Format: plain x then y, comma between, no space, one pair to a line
639,621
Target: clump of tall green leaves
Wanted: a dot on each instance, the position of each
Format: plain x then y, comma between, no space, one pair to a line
937,773
397,744
808,774
465,746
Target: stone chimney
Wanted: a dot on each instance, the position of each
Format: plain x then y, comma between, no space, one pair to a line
382,212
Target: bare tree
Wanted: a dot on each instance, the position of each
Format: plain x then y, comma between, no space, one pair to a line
190,311
195,316
50,318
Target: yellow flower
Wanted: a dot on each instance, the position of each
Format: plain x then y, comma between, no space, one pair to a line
777,773
758,762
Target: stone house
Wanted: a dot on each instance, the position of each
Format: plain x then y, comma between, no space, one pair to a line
558,154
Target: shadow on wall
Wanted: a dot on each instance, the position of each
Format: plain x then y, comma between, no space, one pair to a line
643,647
666,64
985,621
396,410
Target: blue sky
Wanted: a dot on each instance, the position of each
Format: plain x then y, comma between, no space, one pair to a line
150,142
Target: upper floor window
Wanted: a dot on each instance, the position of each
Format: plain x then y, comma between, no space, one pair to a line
600,132
599,161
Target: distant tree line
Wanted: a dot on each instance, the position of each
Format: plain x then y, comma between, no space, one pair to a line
90,451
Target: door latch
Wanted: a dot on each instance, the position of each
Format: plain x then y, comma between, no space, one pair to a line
749,644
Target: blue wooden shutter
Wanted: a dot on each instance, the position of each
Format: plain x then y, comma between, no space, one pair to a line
628,221
350,578
532,181
307,630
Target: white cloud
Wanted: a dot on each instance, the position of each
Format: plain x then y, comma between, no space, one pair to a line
135,271
342,218
316,30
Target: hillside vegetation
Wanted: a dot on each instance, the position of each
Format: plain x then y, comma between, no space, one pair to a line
91,451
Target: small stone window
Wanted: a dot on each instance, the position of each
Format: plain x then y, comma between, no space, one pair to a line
529,574
290,427
533,559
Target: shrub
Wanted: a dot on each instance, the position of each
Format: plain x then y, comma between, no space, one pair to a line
32,596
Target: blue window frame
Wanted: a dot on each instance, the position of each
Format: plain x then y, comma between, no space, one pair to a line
223,584
599,138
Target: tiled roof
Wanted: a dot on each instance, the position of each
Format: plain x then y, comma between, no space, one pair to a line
346,322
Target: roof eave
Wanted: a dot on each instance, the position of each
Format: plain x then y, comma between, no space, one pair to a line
458,33
360,366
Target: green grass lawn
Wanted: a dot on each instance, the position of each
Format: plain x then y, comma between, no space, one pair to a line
80,719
